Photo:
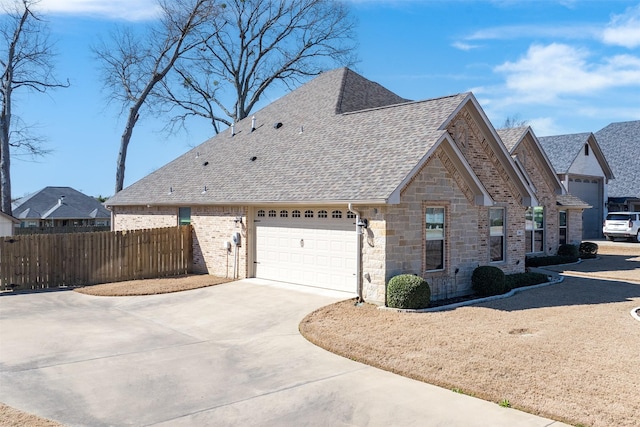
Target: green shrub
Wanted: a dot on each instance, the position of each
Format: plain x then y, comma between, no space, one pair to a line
568,250
588,250
487,280
519,280
408,291
541,261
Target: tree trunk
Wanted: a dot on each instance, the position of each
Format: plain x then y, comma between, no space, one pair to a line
124,145
5,154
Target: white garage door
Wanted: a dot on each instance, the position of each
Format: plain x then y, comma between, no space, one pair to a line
313,247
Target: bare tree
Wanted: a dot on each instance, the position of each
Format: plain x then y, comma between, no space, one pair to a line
255,44
514,122
26,59
135,63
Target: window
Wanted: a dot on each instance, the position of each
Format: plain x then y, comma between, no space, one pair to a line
260,213
272,214
308,214
534,229
322,214
434,236
184,216
284,214
496,234
586,149
351,215
295,214
562,221
336,214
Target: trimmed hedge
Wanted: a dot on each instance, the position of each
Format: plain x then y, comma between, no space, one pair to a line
541,261
588,250
568,250
519,280
408,291
488,280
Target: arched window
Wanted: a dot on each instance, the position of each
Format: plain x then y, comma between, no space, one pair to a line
272,213
336,214
284,214
351,215
295,214
308,214
322,214
260,213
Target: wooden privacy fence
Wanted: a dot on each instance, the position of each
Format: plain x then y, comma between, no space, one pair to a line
51,260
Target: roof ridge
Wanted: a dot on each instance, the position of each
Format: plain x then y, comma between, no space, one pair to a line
382,107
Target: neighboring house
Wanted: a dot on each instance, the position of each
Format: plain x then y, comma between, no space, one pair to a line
295,186
585,173
60,207
557,219
620,143
7,224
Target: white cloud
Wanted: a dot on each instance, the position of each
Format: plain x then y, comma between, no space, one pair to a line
464,46
111,9
624,29
511,32
546,72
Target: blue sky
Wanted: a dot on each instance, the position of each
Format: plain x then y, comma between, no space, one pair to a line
565,66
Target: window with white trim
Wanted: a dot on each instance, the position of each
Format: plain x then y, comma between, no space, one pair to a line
295,214
496,234
562,225
284,214
308,214
534,229
434,239
336,214
260,213
272,213
351,215
322,214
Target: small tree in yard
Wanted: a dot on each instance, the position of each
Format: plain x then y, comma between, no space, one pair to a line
25,58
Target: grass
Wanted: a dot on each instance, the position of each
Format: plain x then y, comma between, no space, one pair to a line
153,286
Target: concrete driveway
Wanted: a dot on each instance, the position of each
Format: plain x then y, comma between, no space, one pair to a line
224,355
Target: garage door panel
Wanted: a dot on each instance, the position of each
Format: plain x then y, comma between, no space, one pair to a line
309,251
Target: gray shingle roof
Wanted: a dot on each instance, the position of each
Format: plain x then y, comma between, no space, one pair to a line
512,136
571,201
620,143
563,149
44,204
342,138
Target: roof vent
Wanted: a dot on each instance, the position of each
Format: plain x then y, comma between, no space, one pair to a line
277,125
253,123
253,159
205,164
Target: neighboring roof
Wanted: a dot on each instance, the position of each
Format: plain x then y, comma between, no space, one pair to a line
9,217
562,150
337,138
571,201
512,137
59,203
620,143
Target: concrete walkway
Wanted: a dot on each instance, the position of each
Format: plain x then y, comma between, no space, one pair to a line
225,355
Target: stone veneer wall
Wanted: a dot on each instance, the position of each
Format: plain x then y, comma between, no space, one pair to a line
574,226
212,226
433,186
545,193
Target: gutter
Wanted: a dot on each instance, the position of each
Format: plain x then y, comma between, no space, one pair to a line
359,225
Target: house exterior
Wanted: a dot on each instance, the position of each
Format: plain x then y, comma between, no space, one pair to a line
60,207
620,142
557,219
343,184
585,173
7,224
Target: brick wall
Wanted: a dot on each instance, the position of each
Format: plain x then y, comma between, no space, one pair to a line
212,226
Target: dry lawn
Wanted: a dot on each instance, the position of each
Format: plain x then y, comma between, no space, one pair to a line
10,417
153,286
569,351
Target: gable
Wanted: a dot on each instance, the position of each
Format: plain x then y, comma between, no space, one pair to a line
482,148
567,155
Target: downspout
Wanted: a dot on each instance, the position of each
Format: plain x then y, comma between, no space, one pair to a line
358,253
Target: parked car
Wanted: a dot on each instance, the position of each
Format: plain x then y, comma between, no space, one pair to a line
622,225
